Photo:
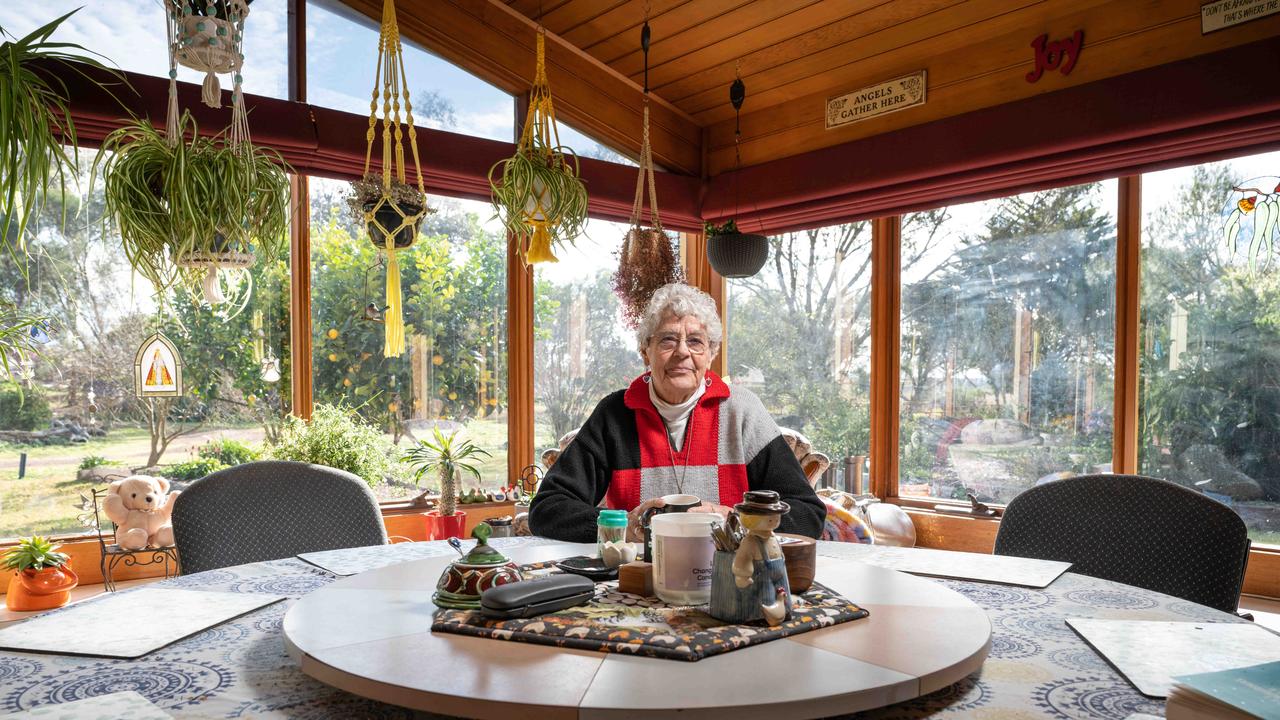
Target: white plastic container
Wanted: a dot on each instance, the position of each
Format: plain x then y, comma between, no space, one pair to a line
682,555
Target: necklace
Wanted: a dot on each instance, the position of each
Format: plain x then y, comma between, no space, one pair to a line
687,447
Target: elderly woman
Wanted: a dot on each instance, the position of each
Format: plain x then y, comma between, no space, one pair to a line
677,429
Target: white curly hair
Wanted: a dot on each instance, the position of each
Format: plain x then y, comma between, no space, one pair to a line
680,299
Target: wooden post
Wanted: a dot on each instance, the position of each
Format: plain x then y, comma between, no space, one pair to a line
886,315
1124,457
698,273
299,230
520,440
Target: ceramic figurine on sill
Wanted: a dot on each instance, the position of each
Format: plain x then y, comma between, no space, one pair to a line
750,583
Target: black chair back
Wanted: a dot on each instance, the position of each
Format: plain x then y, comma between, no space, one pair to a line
1133,529
270,510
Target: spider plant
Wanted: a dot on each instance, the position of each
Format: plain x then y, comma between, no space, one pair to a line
35,126
546,176
446,455
17,336
194,196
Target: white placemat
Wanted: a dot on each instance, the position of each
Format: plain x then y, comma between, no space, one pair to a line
129,624
115,706
980,567
349,561
1150,653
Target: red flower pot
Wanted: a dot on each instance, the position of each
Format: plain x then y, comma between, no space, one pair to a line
443,527
43,589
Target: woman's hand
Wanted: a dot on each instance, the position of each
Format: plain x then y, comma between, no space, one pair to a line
707,507
635,533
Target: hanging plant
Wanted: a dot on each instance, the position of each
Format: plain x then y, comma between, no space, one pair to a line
646,260
197,203
390,207
36,128
208,36
730,252
538,192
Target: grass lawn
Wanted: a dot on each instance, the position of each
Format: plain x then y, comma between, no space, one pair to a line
45,500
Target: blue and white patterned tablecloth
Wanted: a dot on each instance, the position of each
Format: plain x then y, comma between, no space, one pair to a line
1038,667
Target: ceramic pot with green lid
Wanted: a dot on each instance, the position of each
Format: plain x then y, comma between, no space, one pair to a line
484,567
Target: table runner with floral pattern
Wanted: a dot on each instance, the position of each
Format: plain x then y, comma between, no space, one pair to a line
619,622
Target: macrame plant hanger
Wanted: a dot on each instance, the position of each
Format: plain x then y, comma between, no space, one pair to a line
212,45
539,135
390,76
646,260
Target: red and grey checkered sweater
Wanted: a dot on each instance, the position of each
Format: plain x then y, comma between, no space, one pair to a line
622,455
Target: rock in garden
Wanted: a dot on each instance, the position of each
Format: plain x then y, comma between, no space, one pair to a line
1207,462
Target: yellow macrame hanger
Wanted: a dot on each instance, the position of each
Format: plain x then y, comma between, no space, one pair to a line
540,134
389,74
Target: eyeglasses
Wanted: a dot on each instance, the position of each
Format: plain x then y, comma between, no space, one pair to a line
696,344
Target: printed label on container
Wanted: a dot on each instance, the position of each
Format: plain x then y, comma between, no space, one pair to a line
682,563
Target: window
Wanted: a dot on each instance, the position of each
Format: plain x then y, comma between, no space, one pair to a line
589,147
582,349
131,34
800,338
72,415
1008,333
1209,389
342,53
453,373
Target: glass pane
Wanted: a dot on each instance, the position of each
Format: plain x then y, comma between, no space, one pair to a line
1210,374
582,349
342,54
589,147
800,338
77,421
131,34
1008,334
453,374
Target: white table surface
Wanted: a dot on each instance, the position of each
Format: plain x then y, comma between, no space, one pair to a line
371,635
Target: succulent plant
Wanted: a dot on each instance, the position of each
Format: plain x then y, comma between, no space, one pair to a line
34,553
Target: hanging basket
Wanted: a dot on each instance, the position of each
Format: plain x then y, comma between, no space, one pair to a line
212,44
737,255
207,44
391,219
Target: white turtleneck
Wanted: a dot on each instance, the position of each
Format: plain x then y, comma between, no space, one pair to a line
676,417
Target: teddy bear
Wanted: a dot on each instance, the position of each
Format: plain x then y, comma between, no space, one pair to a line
141,506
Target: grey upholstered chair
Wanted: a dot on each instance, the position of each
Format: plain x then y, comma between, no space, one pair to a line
270,510
1132,529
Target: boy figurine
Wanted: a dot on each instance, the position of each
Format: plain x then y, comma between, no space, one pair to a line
760,512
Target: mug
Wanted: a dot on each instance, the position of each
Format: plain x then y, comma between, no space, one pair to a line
682,554
674,504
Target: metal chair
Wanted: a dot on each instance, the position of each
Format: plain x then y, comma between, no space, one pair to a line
1132,529
112,556
270,510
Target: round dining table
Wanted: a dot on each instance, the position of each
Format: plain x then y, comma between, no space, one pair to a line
1035,666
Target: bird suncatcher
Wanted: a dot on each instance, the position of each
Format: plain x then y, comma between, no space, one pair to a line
393,214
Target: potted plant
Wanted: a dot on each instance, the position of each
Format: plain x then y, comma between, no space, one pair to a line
42,579
448,456
191,202
538,192
735,254
37,126
405,203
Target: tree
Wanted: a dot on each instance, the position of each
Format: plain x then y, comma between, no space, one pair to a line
578,356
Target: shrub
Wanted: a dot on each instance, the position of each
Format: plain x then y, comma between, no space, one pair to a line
94,461
339,438
192,469
23,409
228,452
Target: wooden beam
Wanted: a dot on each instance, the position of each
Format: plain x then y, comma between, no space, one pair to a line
886,312
497,43
520,440
1128,325
300,295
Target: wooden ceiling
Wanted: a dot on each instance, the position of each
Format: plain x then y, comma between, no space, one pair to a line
792,55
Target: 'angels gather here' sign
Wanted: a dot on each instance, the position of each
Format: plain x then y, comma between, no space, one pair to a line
878,99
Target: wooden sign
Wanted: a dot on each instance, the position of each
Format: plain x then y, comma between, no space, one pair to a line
1056,55
879,99
1225,13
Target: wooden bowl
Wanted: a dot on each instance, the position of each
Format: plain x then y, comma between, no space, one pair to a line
801,555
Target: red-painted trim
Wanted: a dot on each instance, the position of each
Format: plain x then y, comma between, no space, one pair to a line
1186,112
